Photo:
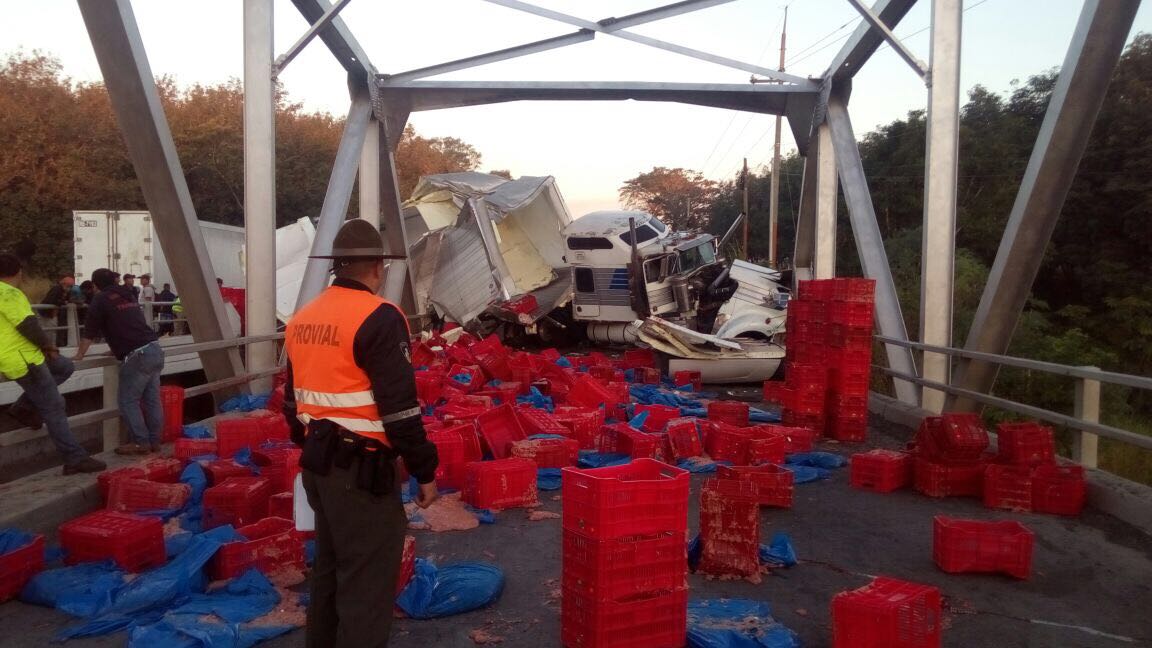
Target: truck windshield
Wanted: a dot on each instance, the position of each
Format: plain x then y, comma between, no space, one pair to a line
697,257
643,233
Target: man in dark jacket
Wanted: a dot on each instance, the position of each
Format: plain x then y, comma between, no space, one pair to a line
115,316
60,295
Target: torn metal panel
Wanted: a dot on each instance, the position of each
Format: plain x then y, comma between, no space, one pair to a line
718,361
463,283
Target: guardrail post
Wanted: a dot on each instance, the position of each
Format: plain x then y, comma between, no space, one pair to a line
111,395
73,325
1085,444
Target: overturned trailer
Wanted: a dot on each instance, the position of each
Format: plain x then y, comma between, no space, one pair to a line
489,249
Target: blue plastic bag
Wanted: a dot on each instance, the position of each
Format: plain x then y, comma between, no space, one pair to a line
700,465
244,598
817,459
548,479
244,403
13,539
536,399
563,362
780,552
638,421
484,516
756,415
711,625
197,432
434,593
805,474
697,412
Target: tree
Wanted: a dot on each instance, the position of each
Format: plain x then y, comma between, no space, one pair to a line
419,156
679,197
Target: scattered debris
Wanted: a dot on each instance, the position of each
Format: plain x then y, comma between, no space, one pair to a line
536,516
483,637
446,514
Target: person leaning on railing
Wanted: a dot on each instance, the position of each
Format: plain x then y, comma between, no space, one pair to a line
115,315
28,356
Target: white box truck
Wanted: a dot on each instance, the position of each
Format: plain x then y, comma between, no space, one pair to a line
125,241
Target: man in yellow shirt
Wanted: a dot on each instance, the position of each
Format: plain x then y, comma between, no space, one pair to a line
28,356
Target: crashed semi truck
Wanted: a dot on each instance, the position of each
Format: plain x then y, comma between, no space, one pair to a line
505,255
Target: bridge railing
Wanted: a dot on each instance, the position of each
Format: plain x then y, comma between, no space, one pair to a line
1086,415
155,314
109,413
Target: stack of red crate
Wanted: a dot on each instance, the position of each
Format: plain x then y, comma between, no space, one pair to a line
887,613
1026,476
773,483
729,528
548,453
238,501
949,457
135,542
624,573
803,394
849,359
141,496
882,471
172,401
165,471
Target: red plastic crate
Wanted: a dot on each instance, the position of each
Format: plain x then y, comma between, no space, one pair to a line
730,412
407,564
474,377
852,313
852,338
1027,443
524,304
499,427
882,471
606,373
140,495
620,438
238,501
852,429
850,379
271,544
657,621
942,480
887,613
725,442
960,546
548,453
221,470
282,505
639,498
658,416
647,376
854,289
814,423
235,434
682,378
172,400
452,452
275,402
684,438
765,446
961,436
1008,487
583,422
135,542
430,386
275,463
1059,490
729,527
538,421
185,449
773,483
500,484
467,433
18,566
166,471
640,358
273,427
626,567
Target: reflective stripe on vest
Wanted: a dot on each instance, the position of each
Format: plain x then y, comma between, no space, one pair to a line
327,382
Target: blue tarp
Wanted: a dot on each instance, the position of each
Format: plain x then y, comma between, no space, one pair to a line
700,465
78,590
439,592
736,623
593,459
197,432
817,459
537,399
760,416
548,479
780,552
656,395
805,474
244,403
13,539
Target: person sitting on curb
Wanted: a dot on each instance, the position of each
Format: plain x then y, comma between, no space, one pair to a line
28,356
116,316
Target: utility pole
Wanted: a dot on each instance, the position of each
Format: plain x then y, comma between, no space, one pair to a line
774,200
744,181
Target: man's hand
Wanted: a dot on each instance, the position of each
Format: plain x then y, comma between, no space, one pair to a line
428,494
52,352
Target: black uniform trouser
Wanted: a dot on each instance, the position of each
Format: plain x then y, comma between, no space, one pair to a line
359,542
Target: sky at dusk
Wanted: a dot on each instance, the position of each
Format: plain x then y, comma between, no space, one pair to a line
590,147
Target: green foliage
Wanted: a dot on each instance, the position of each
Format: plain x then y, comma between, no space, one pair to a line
679,197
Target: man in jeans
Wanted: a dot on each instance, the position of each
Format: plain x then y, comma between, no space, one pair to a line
28,356
116,316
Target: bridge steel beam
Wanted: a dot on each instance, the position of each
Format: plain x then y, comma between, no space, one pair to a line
400,285
1095,49
369,184
337,37
815,251
870,246
866,39
334,210
259,185
938,245
123,62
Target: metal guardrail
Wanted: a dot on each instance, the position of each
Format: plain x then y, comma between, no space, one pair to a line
110,412
1086,417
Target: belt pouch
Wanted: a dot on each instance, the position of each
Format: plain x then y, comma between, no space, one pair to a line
319,447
